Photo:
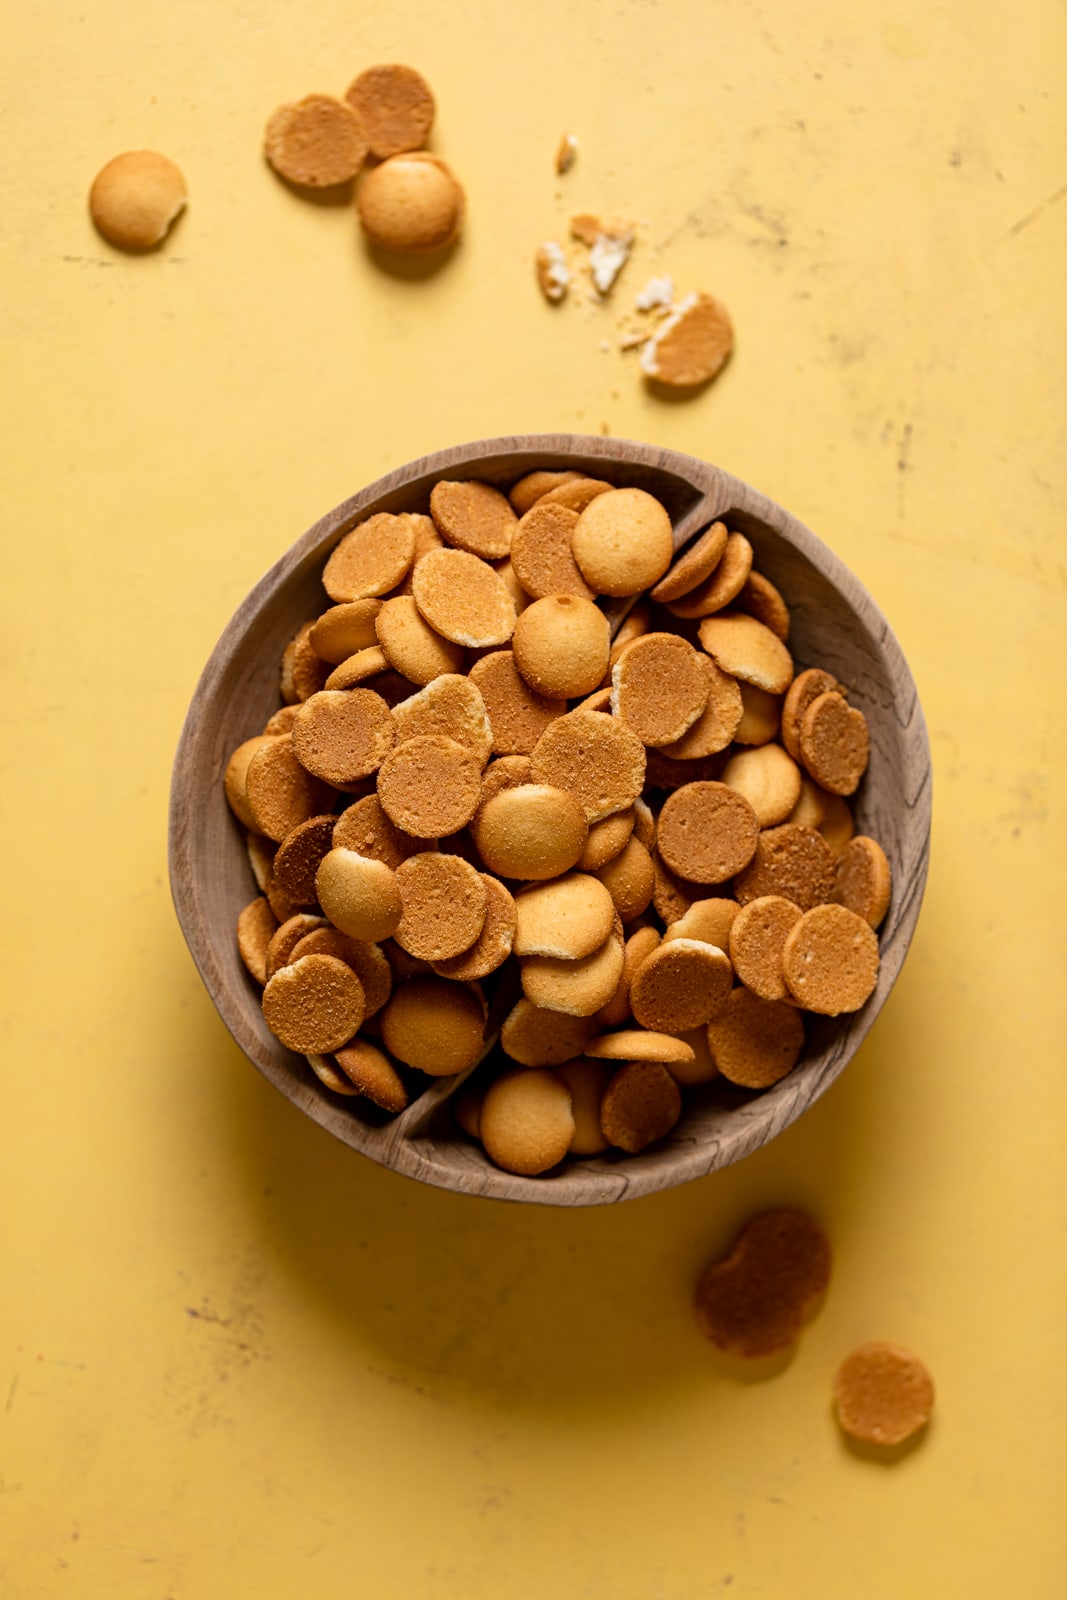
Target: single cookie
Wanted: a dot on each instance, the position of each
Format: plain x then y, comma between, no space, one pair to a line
883,1394
316,143
466,1106
256,927
279,790
371,1073
509,578
526,1123
760,599
607,840
360,896
659,688
708,920
430,786
507,772
579,988
641,1104
530,832
768,778
623,542
806,687
445,902
701,1069
427,538
304,672
830,960
538,1038
707,832
760,716
261,853
756,1042
342,735
723,585
451,707
297,859
411,646
365,828
577,494
235,778
615,1013
344,629
834,743
672,896
755,1300
630,879
837,826
371,558
789,860
757,938
518,715
493,945
316,1004
694,566
541,553
358,668
747,650
681,985
330,1075
691,346
529,489
411,204
367,961
136,198
464,599
633,1044
435,1026
812,805
586,1081
395,106
473,516
568,918
864,880
281,721
561,646
594,757
287,936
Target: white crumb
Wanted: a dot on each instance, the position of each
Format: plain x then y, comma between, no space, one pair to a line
650,354
657,292
553,273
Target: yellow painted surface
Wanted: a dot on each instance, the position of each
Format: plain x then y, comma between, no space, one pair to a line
237,1359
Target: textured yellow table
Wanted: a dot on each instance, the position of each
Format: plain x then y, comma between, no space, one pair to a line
238,1359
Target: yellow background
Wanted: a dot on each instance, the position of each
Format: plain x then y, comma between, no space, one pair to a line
236,1358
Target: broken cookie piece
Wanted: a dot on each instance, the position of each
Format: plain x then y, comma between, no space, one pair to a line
553,273
692,346
609,243
565,153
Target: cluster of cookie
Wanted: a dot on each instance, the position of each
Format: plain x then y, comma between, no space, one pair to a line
614,826
409,200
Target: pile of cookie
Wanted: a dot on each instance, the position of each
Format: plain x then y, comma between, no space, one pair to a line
471,792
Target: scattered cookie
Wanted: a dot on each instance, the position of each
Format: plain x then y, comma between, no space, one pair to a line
395,106
747,650
297,858
136,199
317,143
430,786
360,896
607,840
717,724
586,1081
552,271
639,1044
280,792
464,599
659,688
434,1025
681,985
529,489
692,346
561,646
864,881
367,961
541,552
830,960
579,988
623,542
371,558
707,832
473,516
526,1122
594,757
365,828
755,1300
316,1004
883,1394
449,707
755,1042
630,879
518,715
708,920
359,668
760,599
757,936
506,772
789,860
760,716
566,152
235,778
577,494
287,936
641,1104
615,1012
411,204
805,688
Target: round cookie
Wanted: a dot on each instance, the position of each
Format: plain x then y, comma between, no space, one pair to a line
473,516
304,672
436,1026
529,489
805,687
279,791
427,538
506,772
330,1075
755,1300
235,778
694,566
395,105
723,585
444,901
518,715
691,346
672,896
541,553
287,936
768,778
372,1074
281,721
256,927
539,1038
364,664
341,735
755,1042
367,961
365,828
883,1394
634,1044
837,825
561,646
760,715
344,629
641,1104
411,204
615,1012
316,143
629,879
790,860
834,743
451,707
830,960
526,1123
568,918
575,495
864,881
316,1004
607,840
747,650
360,896
594,757
430,786
760,599
757,937
708,920
659,688
812,805
530,832
493,945
370,559
586,1081
719,721
297,858
681,985
411,646
579,988
464,599
706,832
623,542
136,198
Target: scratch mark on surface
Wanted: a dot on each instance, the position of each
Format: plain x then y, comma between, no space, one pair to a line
11,1393
903,464
208,1316
1032,216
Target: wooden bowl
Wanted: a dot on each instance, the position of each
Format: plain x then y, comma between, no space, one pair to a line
835,624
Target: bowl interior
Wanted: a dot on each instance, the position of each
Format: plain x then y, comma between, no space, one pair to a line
835,624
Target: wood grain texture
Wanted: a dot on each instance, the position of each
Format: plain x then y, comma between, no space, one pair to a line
835,624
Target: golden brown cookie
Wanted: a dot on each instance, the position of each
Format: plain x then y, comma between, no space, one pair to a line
623,542
805,687
830,960
680,986
812,804
531,832
464,599
599,700
316,143
427,538
755,1300
529,489
718,722
541,553
586,1081
568,918
629,879
430,786
434,1025
278,900
607,840
638,1044
757,936
577,494
707,920
701,1068
357,669
466,1106
637,621
473,516
445,902
287,936
344,629
506,772
664,771
756,1042
235,778
359,895
261,853
451,707
768,778
723,585
330,1075
659,688
281,721
395,106
315,1004
837,826
579,988
672,895
760,716
789,860
706,832
493,945
518,715
411,204
526,1123
747,650
341,735
883,1394
694,566
370,559
411,646
561,646
538,1038
615,1012
136,198
864,881
367,961
641,1104
760,599
373,1074
834,743
691,346
365,828
304,672
256,927
297,858
598,760
279,791
508,577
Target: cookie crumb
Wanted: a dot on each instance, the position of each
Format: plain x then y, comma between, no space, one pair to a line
658,292
553,273
609,243
566,153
